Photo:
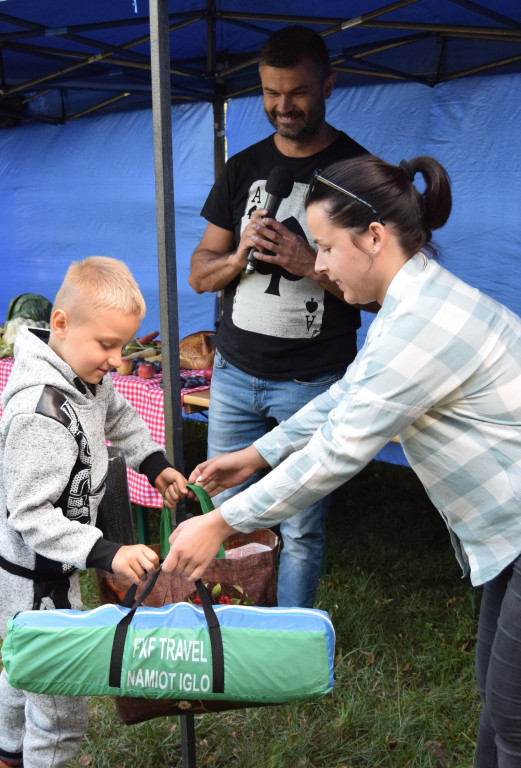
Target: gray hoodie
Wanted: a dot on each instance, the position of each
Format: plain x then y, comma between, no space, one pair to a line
39,457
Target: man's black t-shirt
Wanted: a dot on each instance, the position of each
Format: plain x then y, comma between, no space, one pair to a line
276,325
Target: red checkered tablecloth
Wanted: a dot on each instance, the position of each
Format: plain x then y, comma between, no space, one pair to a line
146,395
5,369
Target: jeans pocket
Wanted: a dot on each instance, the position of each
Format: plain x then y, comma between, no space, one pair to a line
219,361
321,382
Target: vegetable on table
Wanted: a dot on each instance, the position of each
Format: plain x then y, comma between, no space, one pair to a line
26,309
148,338
142,352
11,328
29,305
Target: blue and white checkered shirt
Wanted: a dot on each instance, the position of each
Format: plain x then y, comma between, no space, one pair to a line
440,368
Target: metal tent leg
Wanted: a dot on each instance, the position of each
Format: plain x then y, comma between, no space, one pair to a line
188,740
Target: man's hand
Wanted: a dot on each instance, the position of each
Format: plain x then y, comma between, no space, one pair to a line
227,470
194,544
217,260
135,561
291,252
247,240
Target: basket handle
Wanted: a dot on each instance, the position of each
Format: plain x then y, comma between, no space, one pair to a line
165,528
206,506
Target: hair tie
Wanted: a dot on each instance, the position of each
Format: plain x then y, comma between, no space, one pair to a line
406,168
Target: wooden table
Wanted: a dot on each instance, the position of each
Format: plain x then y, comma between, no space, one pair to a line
195,402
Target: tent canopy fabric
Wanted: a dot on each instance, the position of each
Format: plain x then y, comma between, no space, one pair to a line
72,187
61,60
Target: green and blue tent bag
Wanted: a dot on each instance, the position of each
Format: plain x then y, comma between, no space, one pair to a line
179,651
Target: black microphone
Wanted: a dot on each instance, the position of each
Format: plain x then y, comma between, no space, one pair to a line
278,186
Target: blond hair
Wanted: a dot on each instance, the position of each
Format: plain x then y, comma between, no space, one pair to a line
96,284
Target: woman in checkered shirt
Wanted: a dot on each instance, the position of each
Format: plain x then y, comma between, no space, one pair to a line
440,368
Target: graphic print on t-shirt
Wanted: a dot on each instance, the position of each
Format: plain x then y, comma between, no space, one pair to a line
271,300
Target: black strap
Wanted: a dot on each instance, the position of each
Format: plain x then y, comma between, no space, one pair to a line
214,629
216,640
120,633
35,574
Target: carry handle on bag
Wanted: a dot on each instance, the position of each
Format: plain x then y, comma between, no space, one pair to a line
246,575
206,601
166,520
120,634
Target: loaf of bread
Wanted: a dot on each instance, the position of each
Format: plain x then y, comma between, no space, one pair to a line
197,350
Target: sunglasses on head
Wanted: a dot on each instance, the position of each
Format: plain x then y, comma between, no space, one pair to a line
318,177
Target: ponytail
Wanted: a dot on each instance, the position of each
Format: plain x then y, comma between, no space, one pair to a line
437,198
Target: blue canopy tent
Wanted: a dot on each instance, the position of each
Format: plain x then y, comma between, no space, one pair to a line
76,149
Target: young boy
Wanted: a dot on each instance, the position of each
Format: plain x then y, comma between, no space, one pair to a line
60,408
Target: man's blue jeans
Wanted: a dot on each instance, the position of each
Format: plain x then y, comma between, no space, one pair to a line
242,409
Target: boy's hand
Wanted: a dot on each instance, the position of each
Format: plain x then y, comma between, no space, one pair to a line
227,470
135,561
172,486
194,544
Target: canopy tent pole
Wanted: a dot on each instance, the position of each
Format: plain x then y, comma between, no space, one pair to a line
166,253
167,271
219,128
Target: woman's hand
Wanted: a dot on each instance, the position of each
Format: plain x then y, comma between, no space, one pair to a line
227,470
194,544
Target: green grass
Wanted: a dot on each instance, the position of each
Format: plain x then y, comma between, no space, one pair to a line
405,622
